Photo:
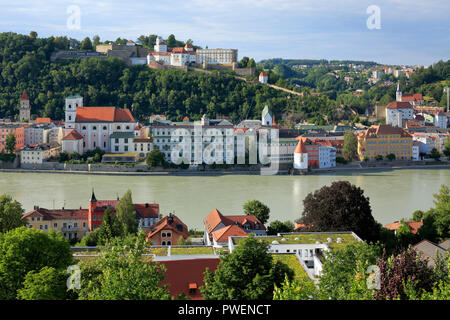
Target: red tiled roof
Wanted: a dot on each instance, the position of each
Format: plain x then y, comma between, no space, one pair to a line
399,105
263,74
222,235
186,118
147,210
384,129
182,275
54,214
213,220
24,96
413,226
165,224
43,120
413,124
73,135
147,140
416,97
103,114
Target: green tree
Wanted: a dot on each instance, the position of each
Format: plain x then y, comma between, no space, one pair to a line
340,207
447,148
96,40
434,154
122,273
248,273
171,41
10,142
125,219
251,63
154,158
86,44
10,214
277,226
350,148
258,209
25,249
297,289
107,229
46,284
33,35
390,156
341,268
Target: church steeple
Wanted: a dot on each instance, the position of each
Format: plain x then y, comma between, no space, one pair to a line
398,94
93,199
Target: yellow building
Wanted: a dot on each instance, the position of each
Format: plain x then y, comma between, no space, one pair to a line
384,140
72,223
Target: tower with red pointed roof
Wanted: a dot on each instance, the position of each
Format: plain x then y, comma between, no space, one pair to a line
300,156
25,109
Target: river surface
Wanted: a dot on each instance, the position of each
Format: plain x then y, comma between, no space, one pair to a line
393,194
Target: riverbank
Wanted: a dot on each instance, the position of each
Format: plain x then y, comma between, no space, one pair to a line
343,168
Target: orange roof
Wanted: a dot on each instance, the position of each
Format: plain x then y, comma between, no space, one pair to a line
413,124
24,96
374,131
186,118
222,235
412,97
188,45
263,74
166,224
73,135
43,120
213,220
300,147
183,275
399,105
413,226
103,114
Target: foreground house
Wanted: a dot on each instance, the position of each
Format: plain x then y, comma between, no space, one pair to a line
218,228
167,231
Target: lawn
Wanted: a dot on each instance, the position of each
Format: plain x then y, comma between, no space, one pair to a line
293,263
191,250
311,238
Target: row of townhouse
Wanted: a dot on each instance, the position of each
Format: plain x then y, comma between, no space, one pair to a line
75,223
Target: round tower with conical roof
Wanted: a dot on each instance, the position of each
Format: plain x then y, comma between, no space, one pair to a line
300,156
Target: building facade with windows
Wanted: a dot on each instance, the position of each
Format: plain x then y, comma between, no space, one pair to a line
216,56
97,124
382,140
39,153
19,133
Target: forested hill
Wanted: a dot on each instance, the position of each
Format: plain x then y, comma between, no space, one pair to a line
25,65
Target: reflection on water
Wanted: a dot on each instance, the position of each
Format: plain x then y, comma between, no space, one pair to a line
393,194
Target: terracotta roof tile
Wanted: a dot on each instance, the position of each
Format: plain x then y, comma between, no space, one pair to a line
222,235
103,114
73,135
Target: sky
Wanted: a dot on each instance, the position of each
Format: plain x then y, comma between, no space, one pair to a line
409,32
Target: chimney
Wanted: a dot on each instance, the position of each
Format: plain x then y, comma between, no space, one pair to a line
36,207
170,218
146,205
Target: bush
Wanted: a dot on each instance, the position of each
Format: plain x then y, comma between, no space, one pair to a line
379,158
341,160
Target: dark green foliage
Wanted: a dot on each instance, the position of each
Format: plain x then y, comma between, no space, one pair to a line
10,142
249,273
390,156
23,250
10,214
46,284
277,226
258,209
340,207
341,267
350,148
155,158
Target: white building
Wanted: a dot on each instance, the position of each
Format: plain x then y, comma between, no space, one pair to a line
398,112
440,120
263,77
37,154
416,151
266,117
96,124
327,156
216,56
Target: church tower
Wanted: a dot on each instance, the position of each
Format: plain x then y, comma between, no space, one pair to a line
398,94
72,103
91,209
161,45
25,109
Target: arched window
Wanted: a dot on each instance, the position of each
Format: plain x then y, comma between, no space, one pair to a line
163,243
128,127
84,127
94,128
118,127
104,127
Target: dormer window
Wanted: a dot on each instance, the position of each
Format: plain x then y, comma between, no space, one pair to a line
84,127
94,128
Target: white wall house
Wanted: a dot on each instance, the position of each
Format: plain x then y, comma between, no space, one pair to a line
396,112
440,120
